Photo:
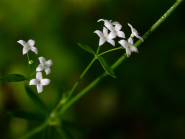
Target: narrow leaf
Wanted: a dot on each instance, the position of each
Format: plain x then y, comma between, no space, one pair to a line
86,48
13,78
36,100
27,115
106,66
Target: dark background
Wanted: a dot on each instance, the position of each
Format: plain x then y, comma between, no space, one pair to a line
146,100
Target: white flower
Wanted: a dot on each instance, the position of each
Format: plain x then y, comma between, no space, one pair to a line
129,46
114,27
104,36
135,33
44,65
28,46
39,82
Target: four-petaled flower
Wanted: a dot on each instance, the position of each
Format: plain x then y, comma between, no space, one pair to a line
135,33
114,27
129,46
105,36
39,82
44,65
28,46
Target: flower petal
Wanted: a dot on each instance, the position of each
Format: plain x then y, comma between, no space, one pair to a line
130,40
34,49
39,68
45,81
123,43
39,88
39,75
139,37
99,33
128,51
42,60
101,41
31,43
47,70
33,82
109,25
133,49
105,31
118,27
111,42
23,43
25,50
49,63
121,34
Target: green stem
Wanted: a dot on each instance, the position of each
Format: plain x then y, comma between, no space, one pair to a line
114,49
35,131
120,60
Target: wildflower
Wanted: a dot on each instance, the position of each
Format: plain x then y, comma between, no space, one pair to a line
135,33
104,36
114,27
44,65
28,46
129,46
39,82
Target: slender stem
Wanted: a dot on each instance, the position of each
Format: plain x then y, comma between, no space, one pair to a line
114,49
120,60
35,130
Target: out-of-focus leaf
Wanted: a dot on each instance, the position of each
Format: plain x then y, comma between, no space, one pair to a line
86,48
13,78
27,115
36,100
106,66
65,133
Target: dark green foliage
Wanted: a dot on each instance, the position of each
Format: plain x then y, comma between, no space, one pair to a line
86,48
13,78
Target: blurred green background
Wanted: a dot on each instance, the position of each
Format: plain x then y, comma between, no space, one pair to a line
146,100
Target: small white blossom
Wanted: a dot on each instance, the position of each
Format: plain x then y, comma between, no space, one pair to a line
114,27
44,65
135,33
105,36
39,82
28,46
129,46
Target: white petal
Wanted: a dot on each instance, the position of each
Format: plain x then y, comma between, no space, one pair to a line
39,68
23,43
99,33
108,25
130,26
39,88
133,49
118,27
100,20
115,23
39,75
45,81
139,37
47,70
111,42
49,63
42,60
31,43
130,40
33,82
25,50
112,35
105,31
102,41
121,34
34,49
123,43
128,51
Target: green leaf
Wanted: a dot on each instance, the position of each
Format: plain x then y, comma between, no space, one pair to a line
36,100
86,48
13,78
106,66
27,115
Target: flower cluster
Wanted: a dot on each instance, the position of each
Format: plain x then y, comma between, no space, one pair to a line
111,30
44,65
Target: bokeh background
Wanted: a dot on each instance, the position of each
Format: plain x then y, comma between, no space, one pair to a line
146,100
